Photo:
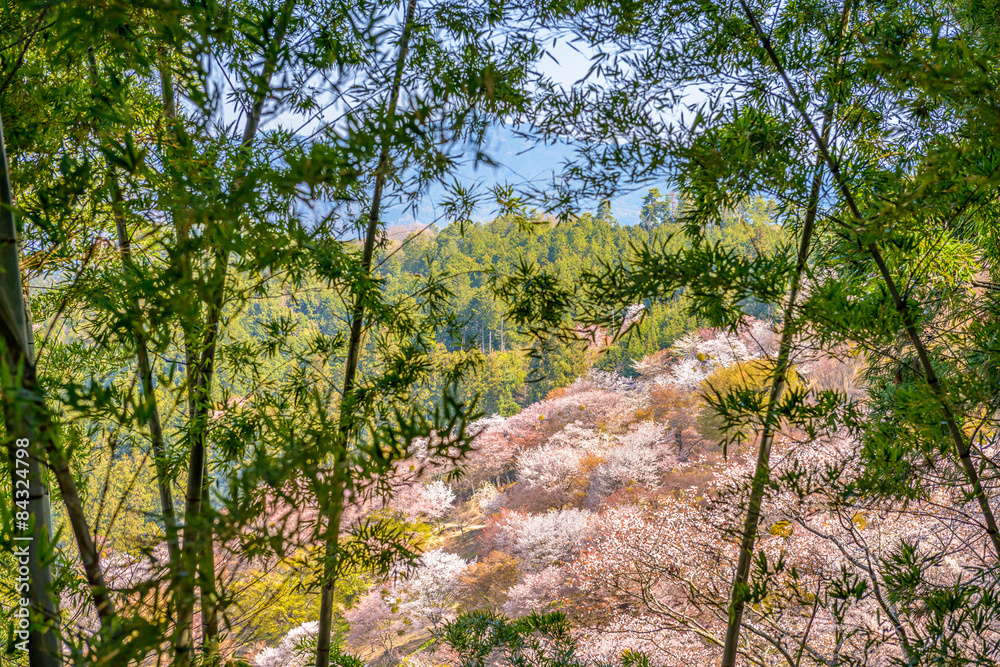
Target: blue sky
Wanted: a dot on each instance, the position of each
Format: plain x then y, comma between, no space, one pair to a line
520,161
523,162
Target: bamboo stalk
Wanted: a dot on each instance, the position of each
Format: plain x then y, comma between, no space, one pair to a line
353,354
197,550
963,446
737,597
145,368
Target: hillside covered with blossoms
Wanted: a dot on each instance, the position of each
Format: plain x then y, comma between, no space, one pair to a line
612,501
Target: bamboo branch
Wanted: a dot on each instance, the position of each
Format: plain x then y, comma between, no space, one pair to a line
963,446
762,472
31,420
145,369
197,551
346,422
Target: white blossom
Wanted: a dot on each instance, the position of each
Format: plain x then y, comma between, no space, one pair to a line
638,460
430,591
294,650
549,468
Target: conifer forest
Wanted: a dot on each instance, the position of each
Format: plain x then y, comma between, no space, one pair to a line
500,333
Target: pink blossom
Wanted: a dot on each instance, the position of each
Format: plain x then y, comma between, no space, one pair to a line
373,623
539,540
415,502
639,459
704,352
549,468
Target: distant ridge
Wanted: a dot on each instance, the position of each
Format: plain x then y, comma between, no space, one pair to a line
519,163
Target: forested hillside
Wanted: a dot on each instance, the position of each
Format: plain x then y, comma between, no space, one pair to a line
256,415
517,369
475,253
606,502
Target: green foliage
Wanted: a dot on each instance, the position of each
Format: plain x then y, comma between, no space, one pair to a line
346,660
225,256
535,640
201,278
878,123
554,363
471,262
499,384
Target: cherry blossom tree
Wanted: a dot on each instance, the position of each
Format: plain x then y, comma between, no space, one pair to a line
552,469
492,454
639,459
296,649
840,370
539,540
702,353
840,578
486,582
642,558
439,497
655,365
539,592
416,502
678,409
500,531
431,592
488,498
623,633
374,623
580,437
583,403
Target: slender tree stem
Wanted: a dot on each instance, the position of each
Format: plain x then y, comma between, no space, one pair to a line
737,598
182,576
30,419
44,648
208,585
197,527
198,547
347,407
145,367
762,472
142,356
962,445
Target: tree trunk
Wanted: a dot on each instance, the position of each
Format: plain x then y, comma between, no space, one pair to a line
148,390
209,590
44,648
197,532
30,420
737,596
143,363
197,550
346,422
963,446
